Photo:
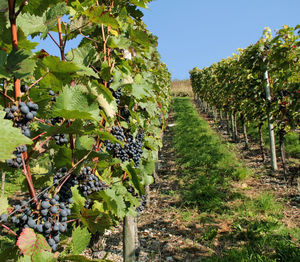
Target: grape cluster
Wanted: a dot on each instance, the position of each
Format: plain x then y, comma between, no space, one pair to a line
24,88
88,184
51,93
27,112
132,148
55,120
61,139
142,205
17,162
125,113
117,95
51,219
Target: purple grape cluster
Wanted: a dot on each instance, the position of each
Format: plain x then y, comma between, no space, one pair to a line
24,88
88,184
56,120
117,95
51,219
61,139
51,93
27,112
17,162
132,148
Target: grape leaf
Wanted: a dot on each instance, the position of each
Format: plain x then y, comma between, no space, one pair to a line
43,256
81,258
38,7
31,24
140,37
104,97
19,63
10,138
30,243
72,103
80,239
100,16
3,204
63,157
140,3
84,143
25,259
3,59
82,57
114,202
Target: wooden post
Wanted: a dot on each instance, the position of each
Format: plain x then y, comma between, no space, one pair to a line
129,239
270,124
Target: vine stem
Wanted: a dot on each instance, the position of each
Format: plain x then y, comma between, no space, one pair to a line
55,42
8,97
17,83
4,226
37,80
2,184
61,41
38,136
27,173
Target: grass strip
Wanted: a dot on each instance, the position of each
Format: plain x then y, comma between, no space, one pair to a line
236,225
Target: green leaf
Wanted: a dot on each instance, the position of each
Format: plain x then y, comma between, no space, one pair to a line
105,72
30,243
79,201
140,37
43,256
63,157
10,138
84,143
3,205
100,16
80,240
3,60
9,253
81,258
115,203
25,259
20,63
72,103
38,7
140,3
106,136
82,57
3,6
135,178
31,24
104,97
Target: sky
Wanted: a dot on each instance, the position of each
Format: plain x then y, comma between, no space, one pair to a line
200,32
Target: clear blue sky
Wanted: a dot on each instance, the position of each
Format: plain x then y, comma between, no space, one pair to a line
198,32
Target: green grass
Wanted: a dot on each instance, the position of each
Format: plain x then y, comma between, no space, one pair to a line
207,164
208,169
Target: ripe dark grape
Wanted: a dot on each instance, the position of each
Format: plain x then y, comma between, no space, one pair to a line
88,184
4,218
61,139
24,88
17,162
132,148
117,95
45,204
